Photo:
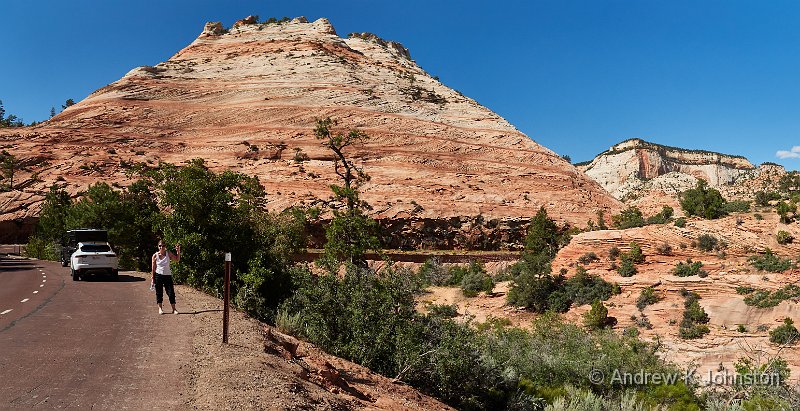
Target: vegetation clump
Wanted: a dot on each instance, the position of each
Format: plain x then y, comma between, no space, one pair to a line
770,262
689,268
766,298
707,242
695,318
647,297
703,201
783,237
785,334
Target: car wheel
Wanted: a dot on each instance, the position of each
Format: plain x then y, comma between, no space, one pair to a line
75,275
115,274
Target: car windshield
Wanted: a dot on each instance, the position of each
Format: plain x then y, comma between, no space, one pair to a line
95,248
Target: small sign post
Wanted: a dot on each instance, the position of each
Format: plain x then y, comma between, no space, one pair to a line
227,298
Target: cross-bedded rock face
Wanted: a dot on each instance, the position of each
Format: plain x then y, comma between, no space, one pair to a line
634,167
248,99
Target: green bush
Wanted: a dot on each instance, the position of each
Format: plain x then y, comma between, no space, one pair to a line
42,249
689,268
647,297
476,280
694,318
626,268
613,253
588,258
545,292
597,317
783,237
443,310
635,253
432,272
707,242
703,201
737,206
662,217
784,334
680,222
763,197
770,262
766,299
628,218
786,211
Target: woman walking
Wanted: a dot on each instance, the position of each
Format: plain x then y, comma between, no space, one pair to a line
162,275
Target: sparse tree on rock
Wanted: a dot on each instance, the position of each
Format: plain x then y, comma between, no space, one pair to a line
351,233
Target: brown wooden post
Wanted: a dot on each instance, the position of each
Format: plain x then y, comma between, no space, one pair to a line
227,298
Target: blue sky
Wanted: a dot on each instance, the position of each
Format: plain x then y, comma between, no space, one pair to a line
576,76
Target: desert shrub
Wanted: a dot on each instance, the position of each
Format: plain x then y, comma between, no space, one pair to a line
783,237
737,206
432,272
703,201
744,290
662,217
786,210
613,253
758,217
763,198
626,268
540,293
289,323
475,280
664,249
693,331
42,249
689,268
784,334
707,242
741,328
643,322
770,262
628,218
584,288
635,253
597,317
680,222
443,310
647,297
694,318
588,258
766,298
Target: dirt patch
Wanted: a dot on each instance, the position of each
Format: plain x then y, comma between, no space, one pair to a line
255,373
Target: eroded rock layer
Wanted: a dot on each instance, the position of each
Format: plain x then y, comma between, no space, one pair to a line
634,167
248,100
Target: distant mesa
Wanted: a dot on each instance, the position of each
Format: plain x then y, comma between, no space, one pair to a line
635,166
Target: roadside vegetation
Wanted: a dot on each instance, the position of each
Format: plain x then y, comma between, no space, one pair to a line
369,316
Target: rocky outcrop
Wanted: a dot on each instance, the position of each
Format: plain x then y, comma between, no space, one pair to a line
636,166
434,155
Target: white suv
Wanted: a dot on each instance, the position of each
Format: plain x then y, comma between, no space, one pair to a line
93,256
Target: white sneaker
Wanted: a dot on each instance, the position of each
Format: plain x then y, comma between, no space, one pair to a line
160,311
174,311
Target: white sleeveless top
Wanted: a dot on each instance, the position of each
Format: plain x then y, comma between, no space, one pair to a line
162,264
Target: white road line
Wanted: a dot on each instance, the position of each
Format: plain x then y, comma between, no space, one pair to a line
41,285
25,300
6,312
44,281
36,292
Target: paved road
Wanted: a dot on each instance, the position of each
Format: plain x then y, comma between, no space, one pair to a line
96,344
